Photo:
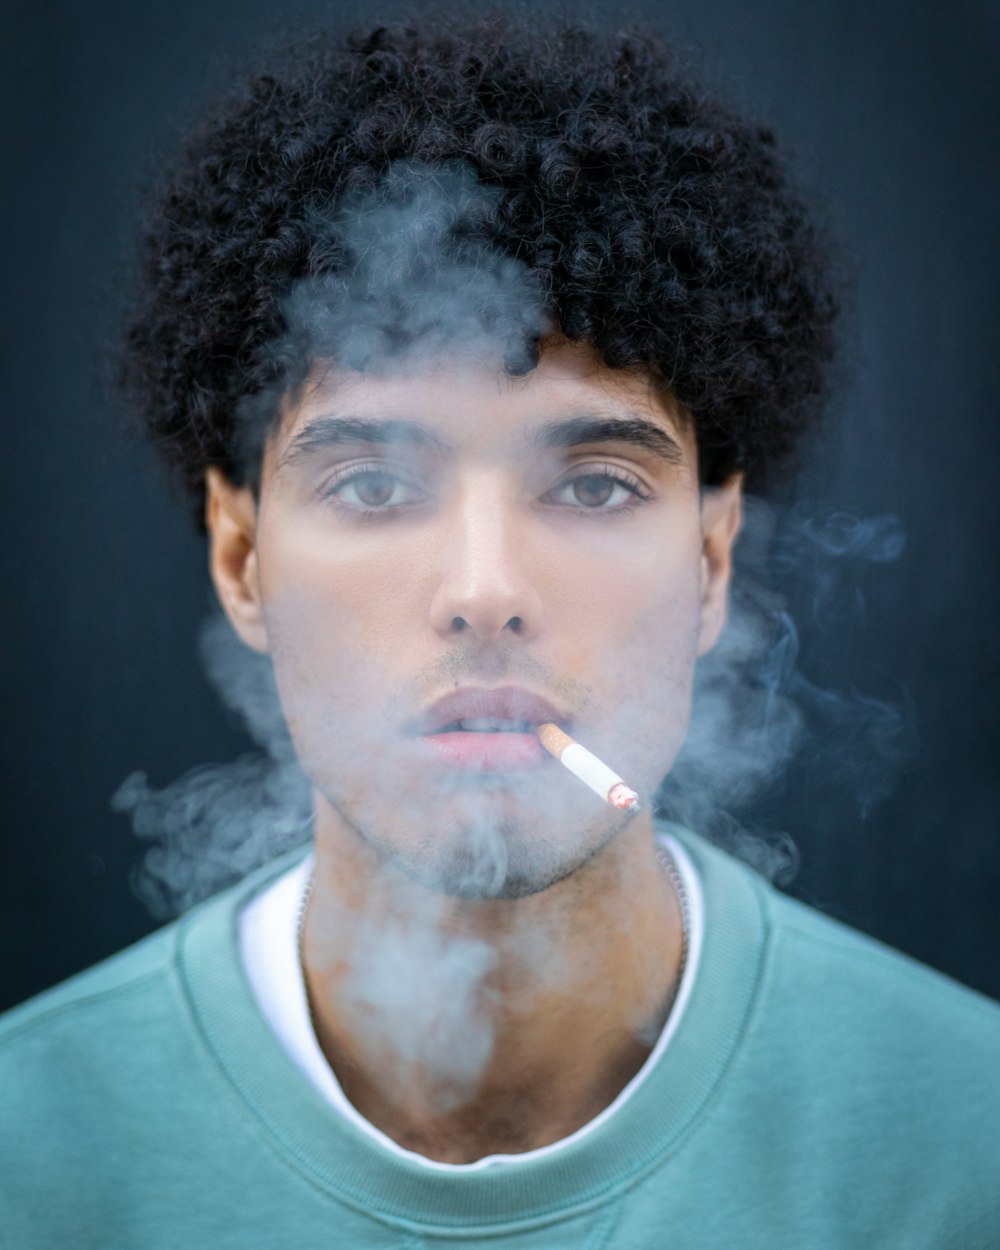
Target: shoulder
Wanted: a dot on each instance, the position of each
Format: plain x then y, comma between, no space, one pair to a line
123,985
811,960
824,961
858,1071
71,1057
897,1073
120,1022
76,1062
826,996
106,989
112,1097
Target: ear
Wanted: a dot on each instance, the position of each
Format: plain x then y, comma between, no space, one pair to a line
231,518
721,515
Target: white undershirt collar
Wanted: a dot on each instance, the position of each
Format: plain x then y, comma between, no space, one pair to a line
269,951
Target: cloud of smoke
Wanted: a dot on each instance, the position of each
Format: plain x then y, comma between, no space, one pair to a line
408,271
410,275
219,822
427,990
415,266
755,711
416,998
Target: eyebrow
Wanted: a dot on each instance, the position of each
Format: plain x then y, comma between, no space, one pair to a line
335,431
631,428
575,431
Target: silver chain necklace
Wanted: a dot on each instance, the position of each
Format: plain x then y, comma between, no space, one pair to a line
684,905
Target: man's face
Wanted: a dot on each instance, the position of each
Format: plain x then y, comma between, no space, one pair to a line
446,556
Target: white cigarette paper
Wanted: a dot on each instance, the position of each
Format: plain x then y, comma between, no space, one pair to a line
593,772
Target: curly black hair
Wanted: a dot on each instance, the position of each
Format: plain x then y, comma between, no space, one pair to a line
658,225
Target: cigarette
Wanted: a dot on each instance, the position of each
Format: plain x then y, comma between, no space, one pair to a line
591,771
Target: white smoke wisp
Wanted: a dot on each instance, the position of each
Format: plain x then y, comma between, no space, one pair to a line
219,822
417,998
407,274
416,272
755,711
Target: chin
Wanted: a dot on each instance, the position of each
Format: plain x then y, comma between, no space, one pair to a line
501,858
481,841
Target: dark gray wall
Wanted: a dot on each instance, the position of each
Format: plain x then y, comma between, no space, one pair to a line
889,108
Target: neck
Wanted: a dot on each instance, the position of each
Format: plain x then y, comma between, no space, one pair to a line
467,1027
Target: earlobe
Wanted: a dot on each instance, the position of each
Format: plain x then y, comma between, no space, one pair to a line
721,516
231,520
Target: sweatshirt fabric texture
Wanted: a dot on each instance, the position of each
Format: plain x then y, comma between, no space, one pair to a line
821,1090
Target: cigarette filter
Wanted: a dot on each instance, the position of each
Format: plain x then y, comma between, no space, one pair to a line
585,765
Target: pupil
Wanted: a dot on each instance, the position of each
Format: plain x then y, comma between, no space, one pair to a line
374,488
593,489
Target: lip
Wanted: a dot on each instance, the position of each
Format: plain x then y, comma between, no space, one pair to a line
473,702
503,752
486,752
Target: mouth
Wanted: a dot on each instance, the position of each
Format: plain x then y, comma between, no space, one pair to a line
487,725
486,731
485,750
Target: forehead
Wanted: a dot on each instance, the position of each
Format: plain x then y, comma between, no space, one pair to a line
477,404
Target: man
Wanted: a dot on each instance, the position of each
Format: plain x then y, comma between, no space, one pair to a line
466,341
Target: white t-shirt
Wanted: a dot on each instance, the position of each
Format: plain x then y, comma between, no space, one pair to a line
269,950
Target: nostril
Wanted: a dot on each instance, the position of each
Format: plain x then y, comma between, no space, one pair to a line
516,624
457,624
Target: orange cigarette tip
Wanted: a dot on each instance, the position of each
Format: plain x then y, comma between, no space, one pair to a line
624,798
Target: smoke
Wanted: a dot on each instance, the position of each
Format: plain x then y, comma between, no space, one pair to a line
219,822
410,274
414,264
422,995
406,269
416,998
756,712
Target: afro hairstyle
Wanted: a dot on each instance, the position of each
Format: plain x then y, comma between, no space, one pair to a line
658,226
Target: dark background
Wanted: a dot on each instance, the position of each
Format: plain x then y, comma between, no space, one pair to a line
888,109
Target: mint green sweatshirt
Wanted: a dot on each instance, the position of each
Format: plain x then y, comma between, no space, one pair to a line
821,1091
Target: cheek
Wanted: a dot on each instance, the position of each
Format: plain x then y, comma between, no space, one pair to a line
649,675
333,626
631,610
331,603
659,649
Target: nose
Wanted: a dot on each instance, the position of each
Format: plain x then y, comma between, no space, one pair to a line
485,589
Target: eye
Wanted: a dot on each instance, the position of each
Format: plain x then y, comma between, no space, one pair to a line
370,489
608,489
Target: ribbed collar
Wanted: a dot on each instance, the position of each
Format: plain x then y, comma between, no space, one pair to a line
348,1164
